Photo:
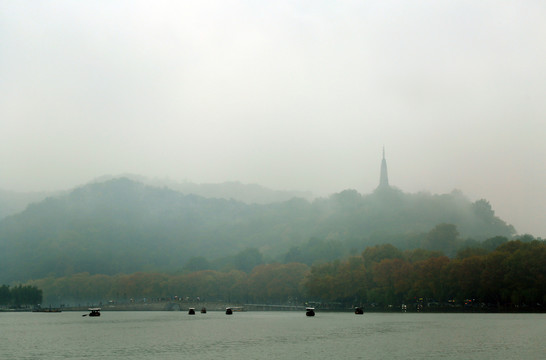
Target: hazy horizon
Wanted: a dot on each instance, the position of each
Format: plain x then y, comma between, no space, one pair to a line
290,95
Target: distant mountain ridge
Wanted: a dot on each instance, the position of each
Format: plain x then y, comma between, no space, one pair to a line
12,202
247,193
124,226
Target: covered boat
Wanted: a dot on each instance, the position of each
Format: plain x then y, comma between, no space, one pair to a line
94,312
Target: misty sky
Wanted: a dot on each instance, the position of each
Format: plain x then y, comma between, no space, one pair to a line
296,95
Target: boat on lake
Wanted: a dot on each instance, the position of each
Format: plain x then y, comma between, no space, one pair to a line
191,311
359,311
310,311
94,312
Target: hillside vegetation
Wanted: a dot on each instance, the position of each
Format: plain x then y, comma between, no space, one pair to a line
123,226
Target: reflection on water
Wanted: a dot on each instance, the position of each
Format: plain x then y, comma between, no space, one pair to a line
271,335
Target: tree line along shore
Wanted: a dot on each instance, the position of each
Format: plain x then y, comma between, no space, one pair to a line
382,278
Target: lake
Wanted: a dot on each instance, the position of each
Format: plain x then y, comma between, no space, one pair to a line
271,335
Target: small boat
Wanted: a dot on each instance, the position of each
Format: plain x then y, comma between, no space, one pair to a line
191,311
94,312
310,311
229,311
203,310
359,311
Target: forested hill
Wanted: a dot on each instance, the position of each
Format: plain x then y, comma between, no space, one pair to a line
123,226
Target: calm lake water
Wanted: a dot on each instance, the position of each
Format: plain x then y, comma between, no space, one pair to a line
271,335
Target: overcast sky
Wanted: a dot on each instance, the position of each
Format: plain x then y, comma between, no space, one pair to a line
297,95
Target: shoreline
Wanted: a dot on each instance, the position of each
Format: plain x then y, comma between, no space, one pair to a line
221,306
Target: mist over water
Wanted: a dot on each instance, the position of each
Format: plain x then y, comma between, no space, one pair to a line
272,335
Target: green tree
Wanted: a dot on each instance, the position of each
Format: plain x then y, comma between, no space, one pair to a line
493,277
25,295
470,252
526,273
420,254
494,242
5,295
464,277
320,281
443,237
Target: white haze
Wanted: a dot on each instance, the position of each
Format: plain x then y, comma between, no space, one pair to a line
288,94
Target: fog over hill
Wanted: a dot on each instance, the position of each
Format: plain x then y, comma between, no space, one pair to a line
12,202
247,193
123,226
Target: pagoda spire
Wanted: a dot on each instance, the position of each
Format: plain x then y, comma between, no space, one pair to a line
384,177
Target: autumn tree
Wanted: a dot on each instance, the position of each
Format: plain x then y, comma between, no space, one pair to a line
393,280
376,254
430,278
276,282
350,281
